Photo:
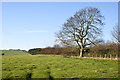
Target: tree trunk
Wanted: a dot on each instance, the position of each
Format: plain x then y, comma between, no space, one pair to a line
81,53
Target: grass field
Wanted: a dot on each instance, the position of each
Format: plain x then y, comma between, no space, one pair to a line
46,66
8,52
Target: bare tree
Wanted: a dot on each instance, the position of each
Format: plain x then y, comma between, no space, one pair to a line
56,46
83,29
116,34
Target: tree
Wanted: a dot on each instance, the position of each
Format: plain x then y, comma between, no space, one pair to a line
34,51
56,46
116,34
82,29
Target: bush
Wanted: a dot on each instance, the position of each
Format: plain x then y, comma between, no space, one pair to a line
34,51
106,48
101,49
70,51
3,54
50,51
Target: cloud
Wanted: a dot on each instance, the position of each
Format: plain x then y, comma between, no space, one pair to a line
34,31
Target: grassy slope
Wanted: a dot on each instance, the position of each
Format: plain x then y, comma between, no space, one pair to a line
8,52
44,66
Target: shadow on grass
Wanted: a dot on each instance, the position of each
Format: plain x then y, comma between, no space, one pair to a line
29,75
50,77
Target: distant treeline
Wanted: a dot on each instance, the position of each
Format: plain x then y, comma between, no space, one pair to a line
17,50
101,49
14,52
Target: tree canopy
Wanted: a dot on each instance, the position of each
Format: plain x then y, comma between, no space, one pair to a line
82,29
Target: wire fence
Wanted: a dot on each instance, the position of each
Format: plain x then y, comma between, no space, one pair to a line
105,56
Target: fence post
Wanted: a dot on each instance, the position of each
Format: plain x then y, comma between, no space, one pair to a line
100,55
105,56
110,56
116,56
92,56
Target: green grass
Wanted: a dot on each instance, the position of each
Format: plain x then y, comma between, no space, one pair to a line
45,66
10,52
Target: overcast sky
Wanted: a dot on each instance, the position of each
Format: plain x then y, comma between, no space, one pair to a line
33,24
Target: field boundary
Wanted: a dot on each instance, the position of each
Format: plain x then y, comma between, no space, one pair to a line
103,58
83,57
98,58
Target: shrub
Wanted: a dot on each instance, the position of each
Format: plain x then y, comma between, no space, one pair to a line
106,48
3,54
34,51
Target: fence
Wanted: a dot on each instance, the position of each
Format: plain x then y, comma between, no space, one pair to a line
109,57
105,56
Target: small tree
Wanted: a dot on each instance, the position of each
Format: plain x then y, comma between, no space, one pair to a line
83,29
56,46
116,36
116,33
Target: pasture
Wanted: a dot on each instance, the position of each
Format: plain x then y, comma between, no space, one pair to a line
10,52
50,66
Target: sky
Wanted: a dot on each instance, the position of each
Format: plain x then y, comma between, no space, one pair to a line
27,25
